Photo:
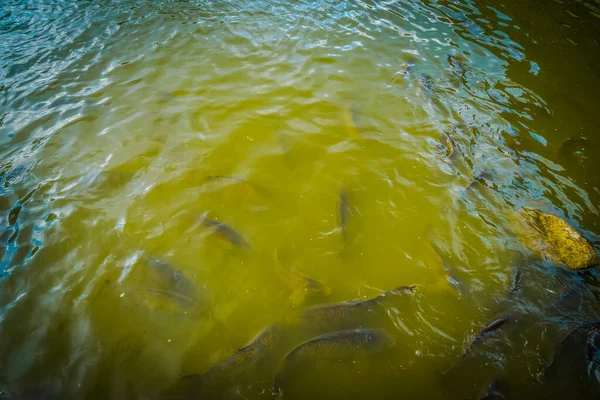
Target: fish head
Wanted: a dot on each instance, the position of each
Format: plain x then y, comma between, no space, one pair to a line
315,286
400,290
379,340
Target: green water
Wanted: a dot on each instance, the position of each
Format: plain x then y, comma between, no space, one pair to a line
124,122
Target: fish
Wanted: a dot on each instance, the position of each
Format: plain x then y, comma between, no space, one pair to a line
344,210
574,150
560,242
449,146
496,390
349,123
426,83
240,188
176,279
434,261
182,299
495,325
575,367
518,275
246,357
224,230
303,286
457,67
334,345
479,179
350,312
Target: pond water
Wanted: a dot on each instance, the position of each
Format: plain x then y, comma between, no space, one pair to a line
177,176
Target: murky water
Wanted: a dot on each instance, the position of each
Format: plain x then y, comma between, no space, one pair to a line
173,173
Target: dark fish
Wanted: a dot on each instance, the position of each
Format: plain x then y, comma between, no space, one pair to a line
496,390
224,230
516,286
456,66
348,313
575,367
39,392
334,345
494,326
343,342
246,357
480,179
437,264
574,150
567,301
426,82
344,211
182,299
176,279
490,328
302,286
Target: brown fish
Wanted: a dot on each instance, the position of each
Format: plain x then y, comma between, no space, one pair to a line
177,280
246,357
334,345
441,269
344,210
349,124
495,325
348,313
224,230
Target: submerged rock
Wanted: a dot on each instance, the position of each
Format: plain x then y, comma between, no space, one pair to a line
557,240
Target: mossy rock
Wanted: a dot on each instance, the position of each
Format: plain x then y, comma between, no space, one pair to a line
556,239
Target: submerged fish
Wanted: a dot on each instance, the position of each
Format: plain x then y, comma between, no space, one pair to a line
496,390
574,150
224,230
240,188
560,241
575,367
494,326
182,299
348,313
303,286
343,210
176,279
334,345
518,275
349,123
497,323
449,146
246,357
480,179
439,266
456,66
426,83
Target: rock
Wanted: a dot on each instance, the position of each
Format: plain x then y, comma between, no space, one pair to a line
555,239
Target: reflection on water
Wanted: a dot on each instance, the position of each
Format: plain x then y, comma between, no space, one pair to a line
177,177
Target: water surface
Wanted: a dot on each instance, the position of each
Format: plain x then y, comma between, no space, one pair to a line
126,125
